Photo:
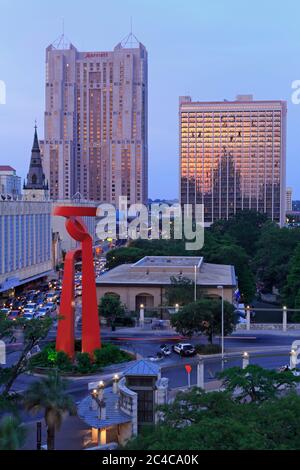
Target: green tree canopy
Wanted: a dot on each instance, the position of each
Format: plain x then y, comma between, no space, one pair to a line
204,316
257,384
275,249
291,290
12,433
196,420
34,331
181,291
110,307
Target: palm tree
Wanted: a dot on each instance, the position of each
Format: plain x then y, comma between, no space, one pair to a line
49,394
12,434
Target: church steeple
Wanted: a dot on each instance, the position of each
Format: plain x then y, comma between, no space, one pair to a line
35,187
35,176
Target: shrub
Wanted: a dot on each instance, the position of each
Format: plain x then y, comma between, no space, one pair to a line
109,354
84,364
63,361
208,348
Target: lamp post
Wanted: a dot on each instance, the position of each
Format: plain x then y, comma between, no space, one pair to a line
195,283
222,324
248,317
176,308
100,390
293,359
284,318
245,357
116,383
142,315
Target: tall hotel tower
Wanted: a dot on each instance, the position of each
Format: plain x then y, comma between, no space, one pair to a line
96,141
233,156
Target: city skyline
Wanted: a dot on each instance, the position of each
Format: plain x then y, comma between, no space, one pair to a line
264,65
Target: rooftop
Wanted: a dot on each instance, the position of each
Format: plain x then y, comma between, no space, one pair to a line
142,367
160,273
113,414
165,261
6,168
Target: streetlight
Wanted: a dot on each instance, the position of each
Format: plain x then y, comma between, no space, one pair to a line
195,283
222,325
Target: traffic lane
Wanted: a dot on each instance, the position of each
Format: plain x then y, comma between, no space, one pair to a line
178,377
147,346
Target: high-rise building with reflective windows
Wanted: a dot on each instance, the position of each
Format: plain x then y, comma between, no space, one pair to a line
233,156
96,130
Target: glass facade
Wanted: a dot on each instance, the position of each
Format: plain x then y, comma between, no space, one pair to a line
232,157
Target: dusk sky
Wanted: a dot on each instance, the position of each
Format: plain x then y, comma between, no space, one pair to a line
209,50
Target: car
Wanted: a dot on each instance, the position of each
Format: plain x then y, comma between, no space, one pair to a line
5,311
13,315
17,305
28,316
78,292
51,296
164,348
51,306
184,349
30,307
42,312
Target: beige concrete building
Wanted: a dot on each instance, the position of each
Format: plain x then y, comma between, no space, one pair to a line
145,281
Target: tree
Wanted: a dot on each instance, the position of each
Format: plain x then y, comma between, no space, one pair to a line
214,421
110,307
122,256
272,262
196,420
244,228
181,291
204,316
49,395
256,384
34,330
228,252
291,290
12,433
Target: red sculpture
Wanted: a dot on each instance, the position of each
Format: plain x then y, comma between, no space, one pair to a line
90,321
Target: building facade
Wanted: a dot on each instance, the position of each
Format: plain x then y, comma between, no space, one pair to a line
145,282
233,156
25,242
96,130
10,183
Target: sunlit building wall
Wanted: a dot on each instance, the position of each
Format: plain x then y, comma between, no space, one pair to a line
233,156
96,129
